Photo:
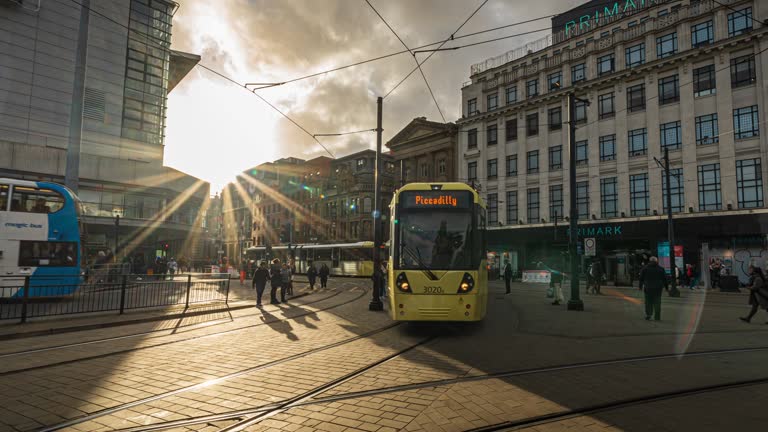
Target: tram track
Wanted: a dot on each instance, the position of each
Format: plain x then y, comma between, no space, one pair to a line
161,344
218,380
247,417
615,405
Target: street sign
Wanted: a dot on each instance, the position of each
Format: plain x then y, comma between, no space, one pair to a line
590,246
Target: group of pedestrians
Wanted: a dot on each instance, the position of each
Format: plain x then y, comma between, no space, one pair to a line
280,277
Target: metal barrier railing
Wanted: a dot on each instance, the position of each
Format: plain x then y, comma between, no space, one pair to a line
23,296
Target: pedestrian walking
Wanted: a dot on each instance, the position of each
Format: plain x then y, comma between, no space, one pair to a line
312,276
260,277
758,292
275,281
596,272
287,282
653,279
508,276
324,273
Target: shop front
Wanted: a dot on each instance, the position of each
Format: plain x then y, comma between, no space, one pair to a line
623,246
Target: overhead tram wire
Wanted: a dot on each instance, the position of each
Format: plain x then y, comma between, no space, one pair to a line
451,37
414,59
233,81
345,133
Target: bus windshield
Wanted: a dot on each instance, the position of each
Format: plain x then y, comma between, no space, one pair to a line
435,240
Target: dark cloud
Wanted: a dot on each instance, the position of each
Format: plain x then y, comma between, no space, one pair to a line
279,40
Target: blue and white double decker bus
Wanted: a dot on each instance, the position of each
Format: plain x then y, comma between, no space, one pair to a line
39,238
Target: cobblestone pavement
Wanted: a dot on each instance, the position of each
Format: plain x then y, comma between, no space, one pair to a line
529,366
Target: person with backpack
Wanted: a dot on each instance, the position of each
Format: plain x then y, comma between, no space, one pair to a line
324,273
260,277
653,279
596,274
275,281
758,292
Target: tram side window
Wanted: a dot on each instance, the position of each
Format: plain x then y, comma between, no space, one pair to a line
47,254
323,254
3,197
30,200
356,254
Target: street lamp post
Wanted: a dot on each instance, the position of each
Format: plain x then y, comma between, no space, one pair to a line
376,303
117,235
673,292
575,303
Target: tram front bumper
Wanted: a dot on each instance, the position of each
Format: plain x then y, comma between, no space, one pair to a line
410,307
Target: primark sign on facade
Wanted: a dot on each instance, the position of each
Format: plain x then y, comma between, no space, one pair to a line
589,15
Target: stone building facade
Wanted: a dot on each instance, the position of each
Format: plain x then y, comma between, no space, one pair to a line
425,151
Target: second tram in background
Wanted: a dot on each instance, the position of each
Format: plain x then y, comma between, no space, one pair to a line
437,264
342,259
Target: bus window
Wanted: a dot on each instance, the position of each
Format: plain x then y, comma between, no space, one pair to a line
3,197
47,254
30,200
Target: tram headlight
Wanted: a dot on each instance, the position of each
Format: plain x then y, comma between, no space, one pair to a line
402,283
467,284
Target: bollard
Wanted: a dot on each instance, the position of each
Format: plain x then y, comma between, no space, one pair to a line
25,300
189,287
226,297
123,285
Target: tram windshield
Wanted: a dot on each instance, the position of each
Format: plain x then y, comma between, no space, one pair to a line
435,240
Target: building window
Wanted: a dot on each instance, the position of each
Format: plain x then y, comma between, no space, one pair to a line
555,81
749,183
472,138
704,81
146,72
511,94
669,90
636,98
441,166
582,152
606,64
532,88
745,122
556,202
605,105
639,194
709,187
511,207
666,45
360,164
609,197
533,205
493,101
532,164
532,124
671,137
511,165
743,71
579,73
493,209
702,34
492,134
676,183
511,126
555,158
582,199
706,129
472,106
608,147
492,168
635,55
424,170
581,111
740,22
555,118
472,171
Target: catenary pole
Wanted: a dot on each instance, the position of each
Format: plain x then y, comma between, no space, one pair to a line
376,303
673,292
575,302
72,168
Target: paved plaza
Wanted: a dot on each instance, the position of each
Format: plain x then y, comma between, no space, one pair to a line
323,362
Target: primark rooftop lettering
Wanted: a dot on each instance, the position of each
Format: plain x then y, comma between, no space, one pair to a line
602,9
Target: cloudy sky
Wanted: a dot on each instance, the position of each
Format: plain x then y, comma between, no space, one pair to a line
216,129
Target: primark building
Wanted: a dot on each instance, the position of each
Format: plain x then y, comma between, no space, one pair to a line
690,77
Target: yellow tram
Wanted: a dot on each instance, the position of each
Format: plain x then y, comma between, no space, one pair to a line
437,256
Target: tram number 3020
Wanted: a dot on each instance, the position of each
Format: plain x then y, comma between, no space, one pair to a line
433,290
